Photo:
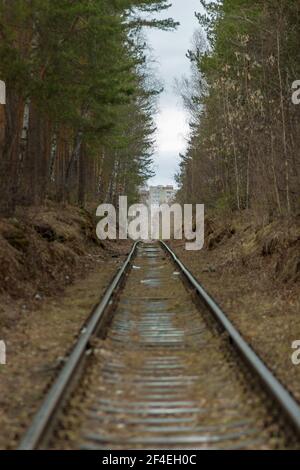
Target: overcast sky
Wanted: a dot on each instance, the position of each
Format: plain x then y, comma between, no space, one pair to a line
169,49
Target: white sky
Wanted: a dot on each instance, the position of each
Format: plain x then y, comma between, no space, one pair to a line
169,49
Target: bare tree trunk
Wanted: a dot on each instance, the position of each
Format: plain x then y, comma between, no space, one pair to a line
9,164
236,168
274,175
284,138
74,158
82,170
31,159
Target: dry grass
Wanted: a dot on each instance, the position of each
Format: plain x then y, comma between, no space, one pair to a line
254,275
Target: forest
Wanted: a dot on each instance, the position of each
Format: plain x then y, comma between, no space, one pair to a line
80,99
243,151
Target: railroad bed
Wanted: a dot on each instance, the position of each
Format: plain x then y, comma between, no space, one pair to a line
161,376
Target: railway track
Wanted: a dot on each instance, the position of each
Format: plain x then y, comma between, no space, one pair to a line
159,366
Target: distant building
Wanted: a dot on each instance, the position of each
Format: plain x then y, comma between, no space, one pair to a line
161,195
144,195
156,196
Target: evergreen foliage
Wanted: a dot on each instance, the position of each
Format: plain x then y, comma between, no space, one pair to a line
78,122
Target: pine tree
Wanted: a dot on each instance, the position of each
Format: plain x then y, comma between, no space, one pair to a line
72,71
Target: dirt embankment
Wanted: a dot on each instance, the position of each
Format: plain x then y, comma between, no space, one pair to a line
253,271
42,251
53,271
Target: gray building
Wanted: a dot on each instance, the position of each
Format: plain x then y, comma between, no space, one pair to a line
161,195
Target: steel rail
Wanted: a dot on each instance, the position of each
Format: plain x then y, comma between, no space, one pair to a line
279,393
42,418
